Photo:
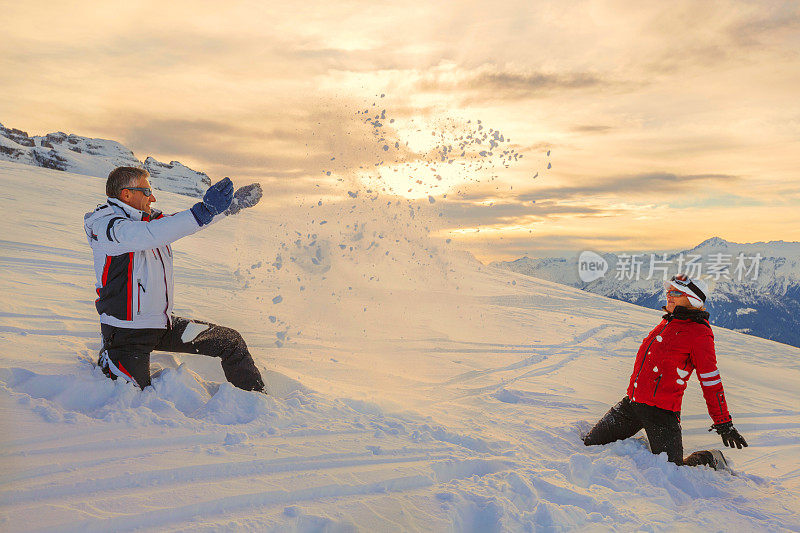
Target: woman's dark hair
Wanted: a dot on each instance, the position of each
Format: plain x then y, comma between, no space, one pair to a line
122,177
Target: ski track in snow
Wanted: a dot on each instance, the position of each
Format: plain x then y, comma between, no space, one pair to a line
415,390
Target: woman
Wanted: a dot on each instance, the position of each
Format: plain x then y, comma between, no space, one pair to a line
682,342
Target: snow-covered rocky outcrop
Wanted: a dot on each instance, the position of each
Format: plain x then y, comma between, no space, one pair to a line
95,157
175,177
762,277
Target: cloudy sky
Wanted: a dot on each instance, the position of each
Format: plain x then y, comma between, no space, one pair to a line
666,123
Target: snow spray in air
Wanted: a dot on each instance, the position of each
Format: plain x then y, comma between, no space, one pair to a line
367,241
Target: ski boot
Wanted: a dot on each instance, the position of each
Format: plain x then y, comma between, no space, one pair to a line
712,458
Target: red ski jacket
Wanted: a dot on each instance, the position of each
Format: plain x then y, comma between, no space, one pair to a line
682,342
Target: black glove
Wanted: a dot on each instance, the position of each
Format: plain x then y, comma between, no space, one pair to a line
730,437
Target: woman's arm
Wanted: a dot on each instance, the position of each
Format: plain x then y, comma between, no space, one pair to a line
705,361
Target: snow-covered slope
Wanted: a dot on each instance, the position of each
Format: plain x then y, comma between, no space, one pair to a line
95,157
411,389
762,298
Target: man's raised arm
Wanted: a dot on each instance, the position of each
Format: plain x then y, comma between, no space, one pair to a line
116,235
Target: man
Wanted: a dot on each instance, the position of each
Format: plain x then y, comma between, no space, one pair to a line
133,263
681,343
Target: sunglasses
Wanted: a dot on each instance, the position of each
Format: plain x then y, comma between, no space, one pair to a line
147,191
675,293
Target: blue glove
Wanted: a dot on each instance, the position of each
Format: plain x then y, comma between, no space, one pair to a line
216,200
245,197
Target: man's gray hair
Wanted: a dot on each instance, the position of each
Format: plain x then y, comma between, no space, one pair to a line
122,177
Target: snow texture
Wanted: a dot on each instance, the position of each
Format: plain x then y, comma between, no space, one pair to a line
411,389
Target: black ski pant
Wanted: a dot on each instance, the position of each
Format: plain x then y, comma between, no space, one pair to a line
663,430
128,350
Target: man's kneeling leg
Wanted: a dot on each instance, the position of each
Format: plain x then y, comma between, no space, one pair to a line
133,367
126,353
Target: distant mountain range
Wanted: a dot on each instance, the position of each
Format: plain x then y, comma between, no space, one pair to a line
95,157
754,287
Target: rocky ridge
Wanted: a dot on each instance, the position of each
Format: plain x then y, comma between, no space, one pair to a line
95,157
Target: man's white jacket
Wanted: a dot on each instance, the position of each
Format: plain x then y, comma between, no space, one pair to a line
133,262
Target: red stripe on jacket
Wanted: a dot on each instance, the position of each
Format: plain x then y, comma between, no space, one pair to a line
130,285
105,270
104,278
